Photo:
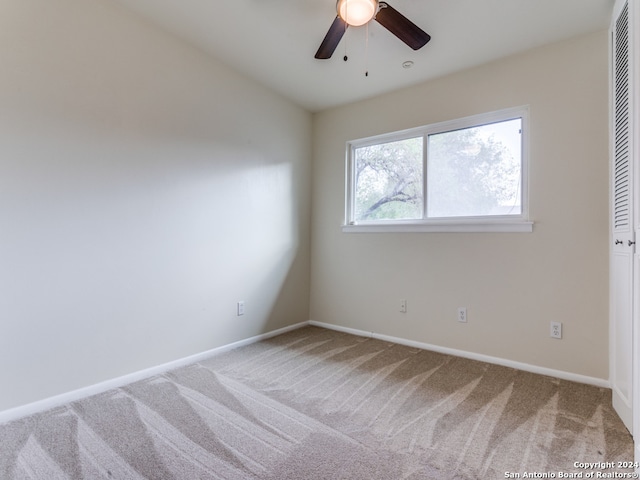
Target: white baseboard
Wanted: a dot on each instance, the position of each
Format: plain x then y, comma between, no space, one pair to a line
75,395
573,377
79,394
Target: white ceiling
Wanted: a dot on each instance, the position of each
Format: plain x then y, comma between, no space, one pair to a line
274,41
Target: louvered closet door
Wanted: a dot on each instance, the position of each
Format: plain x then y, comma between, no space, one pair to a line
622,188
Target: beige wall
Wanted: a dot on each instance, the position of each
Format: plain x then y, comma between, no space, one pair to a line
144,190
513,285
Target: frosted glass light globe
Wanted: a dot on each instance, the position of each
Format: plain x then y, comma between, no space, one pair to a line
357,12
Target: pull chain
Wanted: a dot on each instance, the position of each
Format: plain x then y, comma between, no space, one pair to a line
346,40
366,52
345,58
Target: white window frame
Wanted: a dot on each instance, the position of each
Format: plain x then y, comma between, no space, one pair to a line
493,223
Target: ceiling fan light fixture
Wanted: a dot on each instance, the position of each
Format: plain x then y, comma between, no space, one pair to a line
357,12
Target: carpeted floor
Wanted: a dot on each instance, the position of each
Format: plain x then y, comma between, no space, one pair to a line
318,404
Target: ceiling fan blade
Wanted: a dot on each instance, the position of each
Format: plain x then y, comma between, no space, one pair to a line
401,26
332,39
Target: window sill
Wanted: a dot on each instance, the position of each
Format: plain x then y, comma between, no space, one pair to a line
519,226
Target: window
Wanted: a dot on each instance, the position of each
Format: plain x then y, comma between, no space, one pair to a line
464,175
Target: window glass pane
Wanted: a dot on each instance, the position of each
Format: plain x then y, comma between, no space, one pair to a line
475,171
388,181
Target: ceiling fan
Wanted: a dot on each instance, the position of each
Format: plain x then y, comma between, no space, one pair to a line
360,12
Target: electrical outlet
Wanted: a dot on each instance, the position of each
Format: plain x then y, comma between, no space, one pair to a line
556,330
462,314
403,306
240,308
